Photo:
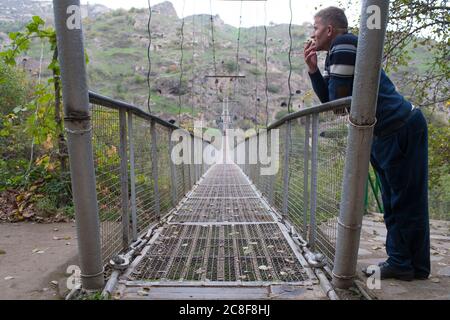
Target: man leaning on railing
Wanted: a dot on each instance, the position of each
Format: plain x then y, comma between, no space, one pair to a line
399,151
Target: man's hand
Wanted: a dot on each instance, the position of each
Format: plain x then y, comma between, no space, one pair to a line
311,57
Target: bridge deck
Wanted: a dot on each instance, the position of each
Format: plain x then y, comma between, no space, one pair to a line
222,242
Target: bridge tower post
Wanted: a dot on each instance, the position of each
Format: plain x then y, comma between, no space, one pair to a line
78,126
374,18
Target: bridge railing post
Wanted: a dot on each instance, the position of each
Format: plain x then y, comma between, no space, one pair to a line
305,176
78,125
314,168
155,176
270,191
173,172
362,120
286,170
124,179
191,164
132,177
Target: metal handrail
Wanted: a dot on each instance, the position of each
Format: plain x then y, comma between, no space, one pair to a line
117,104
328,106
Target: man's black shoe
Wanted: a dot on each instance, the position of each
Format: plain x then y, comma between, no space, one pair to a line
389,272
419,276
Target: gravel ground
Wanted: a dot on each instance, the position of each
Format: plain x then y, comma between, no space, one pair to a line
34,259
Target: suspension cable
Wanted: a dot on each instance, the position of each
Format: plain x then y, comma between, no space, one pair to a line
290,60
214,48
238,48
256,71
181,65
193,66
266,65
149,56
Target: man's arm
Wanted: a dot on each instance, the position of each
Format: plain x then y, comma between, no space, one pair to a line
318,82
320,86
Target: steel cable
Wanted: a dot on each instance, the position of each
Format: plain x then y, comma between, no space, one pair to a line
290,60
193,67
256,72
266,65
181,65
238,48
149,56
214,48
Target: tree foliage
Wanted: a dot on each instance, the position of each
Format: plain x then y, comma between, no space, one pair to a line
419,25
31,130
13,89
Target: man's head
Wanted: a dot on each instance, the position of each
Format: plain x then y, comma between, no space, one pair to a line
328,23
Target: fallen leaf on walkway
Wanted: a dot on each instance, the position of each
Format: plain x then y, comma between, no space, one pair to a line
38,251
289,260
2,251
376,248
56,229
54,282
8,278
375,233
264,268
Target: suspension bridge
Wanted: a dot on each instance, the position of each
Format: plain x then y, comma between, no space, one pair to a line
155,229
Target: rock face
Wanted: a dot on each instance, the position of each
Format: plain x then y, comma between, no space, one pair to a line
165,9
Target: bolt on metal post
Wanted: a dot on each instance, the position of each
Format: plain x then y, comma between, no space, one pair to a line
78,126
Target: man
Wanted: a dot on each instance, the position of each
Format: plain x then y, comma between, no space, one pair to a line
399,150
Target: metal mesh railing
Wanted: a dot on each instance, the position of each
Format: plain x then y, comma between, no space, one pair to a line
137,183
306,189
106,143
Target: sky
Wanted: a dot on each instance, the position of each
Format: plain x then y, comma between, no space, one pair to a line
253,12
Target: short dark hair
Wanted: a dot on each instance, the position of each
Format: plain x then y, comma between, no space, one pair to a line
333,16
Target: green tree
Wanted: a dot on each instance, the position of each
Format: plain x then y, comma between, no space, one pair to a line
418,26
13,89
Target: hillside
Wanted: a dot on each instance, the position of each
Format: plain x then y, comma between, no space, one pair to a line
116,42
117,45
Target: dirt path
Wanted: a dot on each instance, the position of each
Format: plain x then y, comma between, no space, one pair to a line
32,256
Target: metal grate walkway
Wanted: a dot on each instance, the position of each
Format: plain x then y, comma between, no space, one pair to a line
222,242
